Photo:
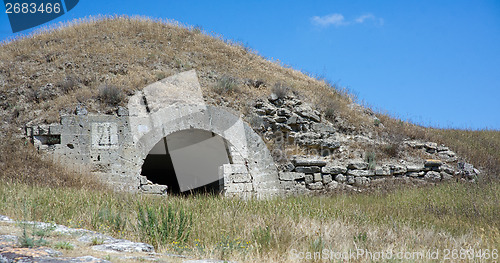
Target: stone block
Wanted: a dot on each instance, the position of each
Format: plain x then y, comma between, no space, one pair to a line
290,176
308,169
154,188
309,162
332,185
340,178
357,166
333,170
432,163
414,168
327,178
415,174
358,173
308,178
398,169
322,128
316,186
432,176
361,181
317,177
382,171
55,129
240,178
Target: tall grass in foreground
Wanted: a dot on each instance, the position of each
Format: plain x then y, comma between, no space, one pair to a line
446,216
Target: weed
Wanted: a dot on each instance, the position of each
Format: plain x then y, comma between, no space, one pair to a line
160,224
64,245
110,94
108,220
264,238
370,158
392,149
97,241
30,241
361,237
226,85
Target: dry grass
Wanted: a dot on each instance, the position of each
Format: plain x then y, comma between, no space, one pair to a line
449,216
131,53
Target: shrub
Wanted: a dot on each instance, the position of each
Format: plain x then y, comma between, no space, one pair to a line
111,95
392,150
280,89
370,158
226,85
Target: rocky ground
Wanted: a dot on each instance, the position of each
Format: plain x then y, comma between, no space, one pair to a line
28,241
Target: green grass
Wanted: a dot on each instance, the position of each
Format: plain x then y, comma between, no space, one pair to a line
446,216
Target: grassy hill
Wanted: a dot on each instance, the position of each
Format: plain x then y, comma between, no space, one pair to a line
51,72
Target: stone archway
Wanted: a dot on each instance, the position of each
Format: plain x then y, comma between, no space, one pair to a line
175,104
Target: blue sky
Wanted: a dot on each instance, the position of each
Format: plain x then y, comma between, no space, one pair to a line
435,63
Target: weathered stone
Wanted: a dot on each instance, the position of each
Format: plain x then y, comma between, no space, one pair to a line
317,177
350,179
309,162
288,167
357,166
358,173
415,174
280,119
122,111
432,176
322,128
382,171
332,185
360,181
414,168
398,169
81,110
327,178
316,186
442,148
333,169
124,246
291,176
447,169
445,176
432,163
307,112
308,178
329,144
273,97
143,180
308,169
284,112
260,112
294,120
431,146
340,178
154,189
240,178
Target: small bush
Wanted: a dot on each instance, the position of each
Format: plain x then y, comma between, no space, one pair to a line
111,95
391,150
160,225
64,245
69,83
370,158
226,85
280,89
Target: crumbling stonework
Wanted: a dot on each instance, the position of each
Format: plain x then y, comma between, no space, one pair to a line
115,146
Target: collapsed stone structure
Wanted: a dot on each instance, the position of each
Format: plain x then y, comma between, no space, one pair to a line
168,139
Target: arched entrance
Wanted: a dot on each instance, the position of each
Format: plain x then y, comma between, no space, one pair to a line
174,106
188,161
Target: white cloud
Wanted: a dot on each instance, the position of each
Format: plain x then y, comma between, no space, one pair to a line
339,20
361,19
333,19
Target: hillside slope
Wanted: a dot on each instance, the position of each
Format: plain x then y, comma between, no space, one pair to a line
96,63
